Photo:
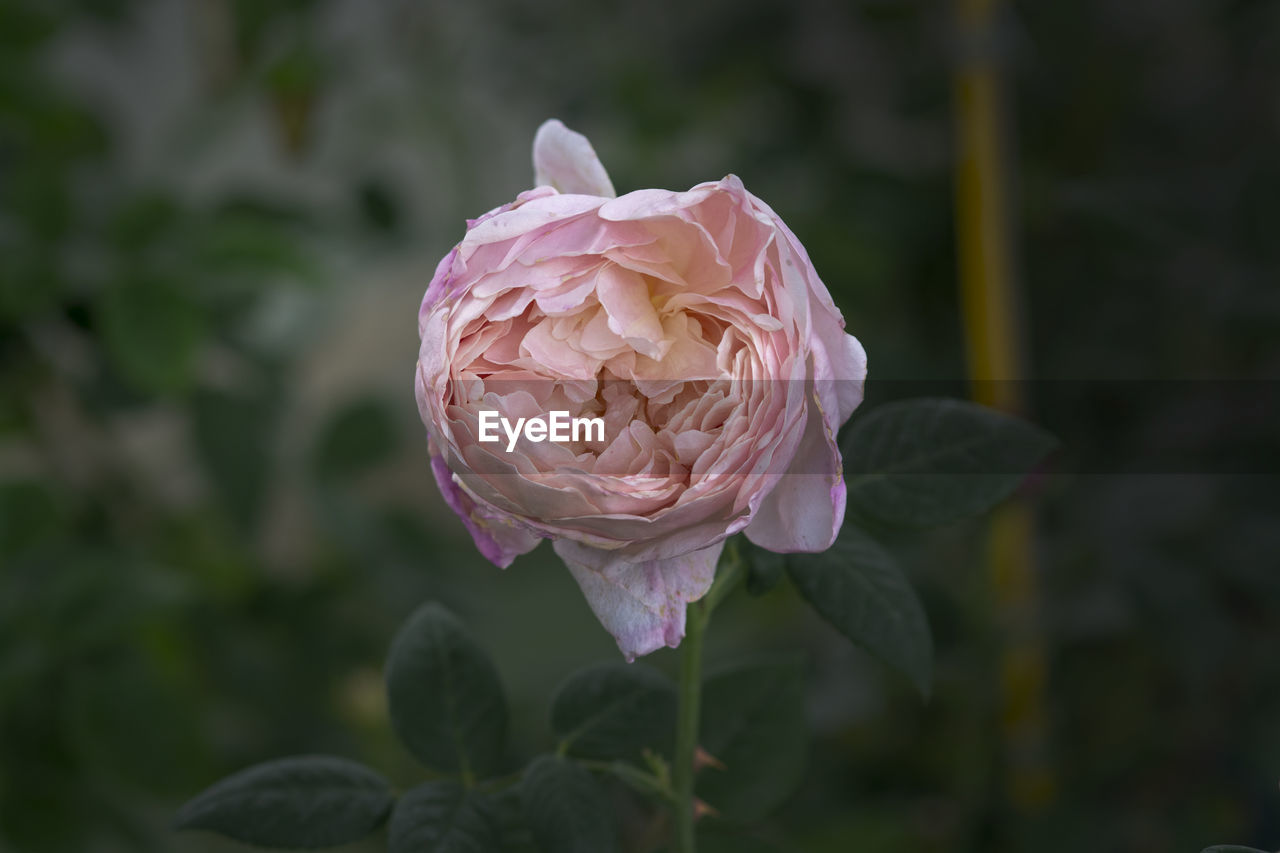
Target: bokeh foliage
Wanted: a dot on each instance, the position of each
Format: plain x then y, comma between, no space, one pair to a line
214,506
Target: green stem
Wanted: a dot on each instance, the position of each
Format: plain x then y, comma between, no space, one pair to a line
697,616
687,725
649,784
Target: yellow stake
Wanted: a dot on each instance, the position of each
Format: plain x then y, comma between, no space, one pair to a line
994,350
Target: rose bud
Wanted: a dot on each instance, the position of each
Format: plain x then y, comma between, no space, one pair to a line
690,326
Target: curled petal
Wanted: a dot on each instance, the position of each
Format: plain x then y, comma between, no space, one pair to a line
850,373
804,511
497,538
565,160
641,604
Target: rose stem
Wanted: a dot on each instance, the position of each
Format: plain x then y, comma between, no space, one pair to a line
687,725
697,616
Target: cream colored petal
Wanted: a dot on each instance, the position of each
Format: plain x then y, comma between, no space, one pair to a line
565,160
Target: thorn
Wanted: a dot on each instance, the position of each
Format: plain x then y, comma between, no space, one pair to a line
701,810
703,759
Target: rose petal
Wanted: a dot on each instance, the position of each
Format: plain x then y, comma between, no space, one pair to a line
641,604
565,160
804,511
850,373
497,539
624,295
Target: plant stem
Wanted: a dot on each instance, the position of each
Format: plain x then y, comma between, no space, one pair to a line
689,712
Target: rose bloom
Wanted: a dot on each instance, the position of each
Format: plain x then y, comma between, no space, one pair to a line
695,325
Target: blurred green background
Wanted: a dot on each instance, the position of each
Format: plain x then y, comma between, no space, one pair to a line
217,219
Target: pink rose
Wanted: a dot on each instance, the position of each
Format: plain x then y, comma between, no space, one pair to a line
694,326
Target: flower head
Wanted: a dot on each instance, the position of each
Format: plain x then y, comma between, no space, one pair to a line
693,326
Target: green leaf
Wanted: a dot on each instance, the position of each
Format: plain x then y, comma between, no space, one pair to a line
615,711
753,722
135,726
566,808
722,839
152,331
29,281
444,817
22,27
29,516
379,206
764,569
360,436
234,434
253,244
144,220
445,698
926,462
308,802
856,586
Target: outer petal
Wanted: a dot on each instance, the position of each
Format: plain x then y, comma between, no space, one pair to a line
839,368
641,604
498,539
849,386
565,160
804,511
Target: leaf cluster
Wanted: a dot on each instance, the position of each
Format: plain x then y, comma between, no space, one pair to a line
911,464
613,725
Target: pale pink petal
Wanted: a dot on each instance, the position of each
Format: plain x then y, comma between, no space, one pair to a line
804,511
497,539
642,204
625,298
689,357
555,355
641,604
527,222
565,160
850,373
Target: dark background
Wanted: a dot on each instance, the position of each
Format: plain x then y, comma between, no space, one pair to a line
217,218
